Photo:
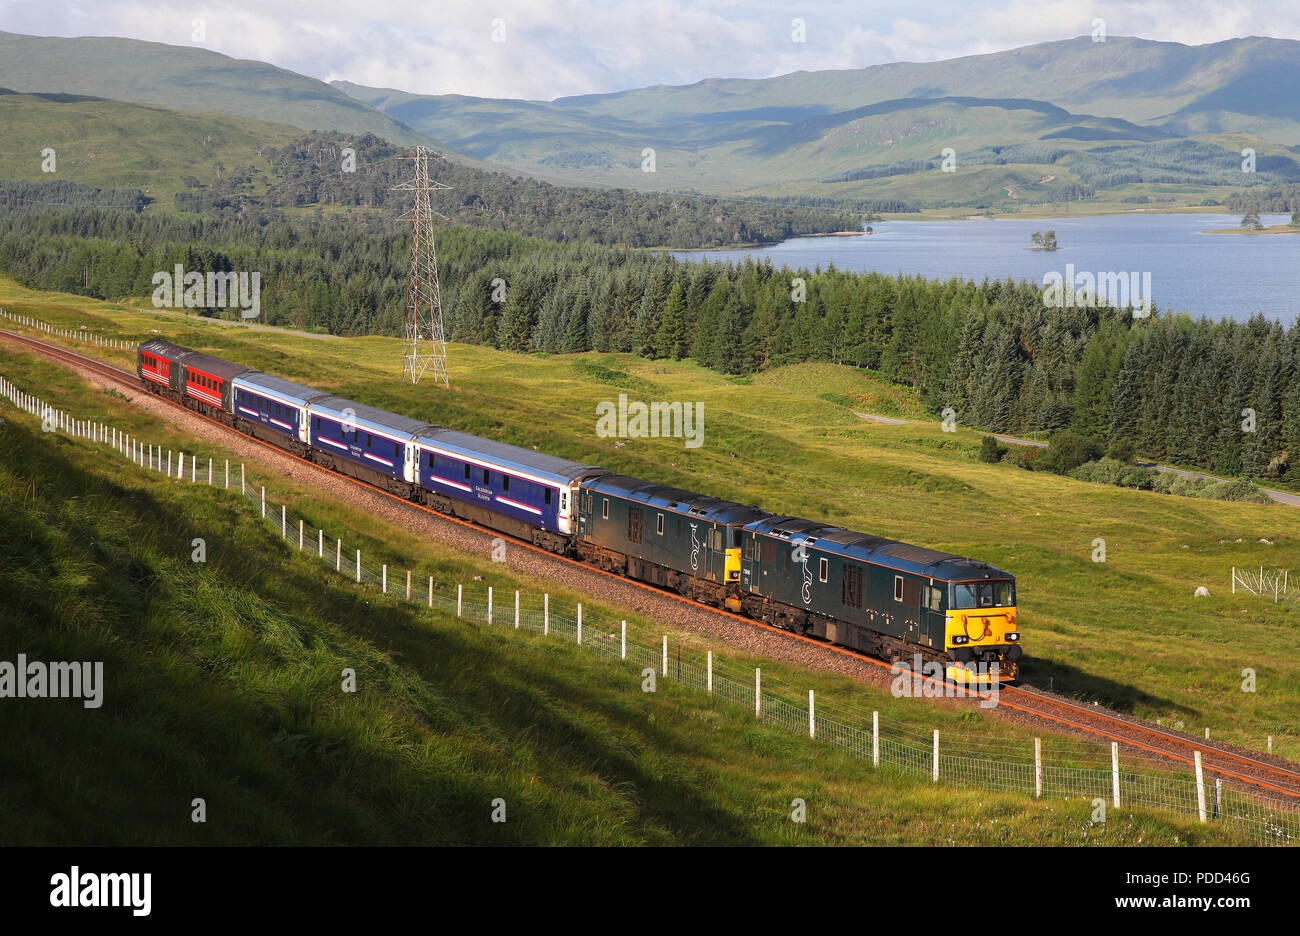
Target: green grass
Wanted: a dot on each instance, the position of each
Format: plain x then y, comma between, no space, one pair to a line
223,682
1127,631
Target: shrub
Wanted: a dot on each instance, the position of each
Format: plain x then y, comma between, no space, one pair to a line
1163,482
1068,450
1121,450
990,451
1141,478
1103,471
1024,456
1238,489
1187,487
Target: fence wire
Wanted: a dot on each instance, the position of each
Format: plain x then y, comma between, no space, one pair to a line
1067,769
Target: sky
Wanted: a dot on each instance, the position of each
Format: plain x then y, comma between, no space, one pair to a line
544,49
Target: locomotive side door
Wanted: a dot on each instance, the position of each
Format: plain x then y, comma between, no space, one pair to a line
932,617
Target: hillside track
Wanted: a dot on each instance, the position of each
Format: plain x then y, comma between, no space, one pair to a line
1274,774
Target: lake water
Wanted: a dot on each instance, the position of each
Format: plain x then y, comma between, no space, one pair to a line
1217,275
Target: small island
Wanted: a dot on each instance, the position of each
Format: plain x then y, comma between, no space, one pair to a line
1044,240
1251,224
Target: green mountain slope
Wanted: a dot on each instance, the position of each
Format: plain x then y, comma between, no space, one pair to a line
112,144
784,135
185,78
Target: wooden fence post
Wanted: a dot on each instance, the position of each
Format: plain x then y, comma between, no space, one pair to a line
758,692
1038,768
1200,787
1114,772
459,595
812,720
709,677
875,739
936,755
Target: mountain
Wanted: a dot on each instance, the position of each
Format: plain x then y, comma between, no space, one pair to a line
798,133
191,79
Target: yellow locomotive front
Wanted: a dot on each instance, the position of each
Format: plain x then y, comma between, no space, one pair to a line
981,635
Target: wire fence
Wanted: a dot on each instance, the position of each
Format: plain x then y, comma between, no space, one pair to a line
1065,768
75,334
1266,582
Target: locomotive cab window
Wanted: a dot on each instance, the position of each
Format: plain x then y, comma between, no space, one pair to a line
967,595
934,598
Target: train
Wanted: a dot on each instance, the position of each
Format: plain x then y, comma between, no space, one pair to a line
886,598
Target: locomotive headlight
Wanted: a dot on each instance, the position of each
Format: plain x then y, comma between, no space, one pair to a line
960,639
1013,635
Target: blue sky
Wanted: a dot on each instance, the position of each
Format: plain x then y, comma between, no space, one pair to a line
543,49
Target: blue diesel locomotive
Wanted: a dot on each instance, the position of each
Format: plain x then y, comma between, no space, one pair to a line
877,595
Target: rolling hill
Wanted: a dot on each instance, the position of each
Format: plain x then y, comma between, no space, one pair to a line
795,133
192,79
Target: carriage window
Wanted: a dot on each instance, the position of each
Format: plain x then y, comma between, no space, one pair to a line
548,496
505,482
604,508
397,449
823,570
659,524
487,477
370,440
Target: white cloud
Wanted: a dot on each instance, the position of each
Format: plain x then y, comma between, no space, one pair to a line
563,47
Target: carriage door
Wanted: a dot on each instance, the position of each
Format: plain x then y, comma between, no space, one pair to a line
931,615
907,595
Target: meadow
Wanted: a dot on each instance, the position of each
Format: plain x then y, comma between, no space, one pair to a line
1126,631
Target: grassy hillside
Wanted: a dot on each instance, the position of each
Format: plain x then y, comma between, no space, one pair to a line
187,78
223,682
1127,630
111,144
791,134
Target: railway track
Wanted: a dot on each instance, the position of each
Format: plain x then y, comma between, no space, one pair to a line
1275,775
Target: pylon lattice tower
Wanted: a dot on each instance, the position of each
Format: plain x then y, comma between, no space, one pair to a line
424,344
